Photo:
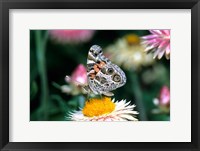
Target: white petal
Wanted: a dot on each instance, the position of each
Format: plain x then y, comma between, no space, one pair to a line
149,48
161,54
126,112
129,117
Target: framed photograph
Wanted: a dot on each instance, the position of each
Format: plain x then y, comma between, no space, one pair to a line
101,75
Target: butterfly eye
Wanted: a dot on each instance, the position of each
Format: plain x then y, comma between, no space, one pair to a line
103,80
106,84
97,78
110,71
116,78
103,70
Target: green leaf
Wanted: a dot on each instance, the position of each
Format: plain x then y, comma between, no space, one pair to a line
160,117
34,90
75,102
62,105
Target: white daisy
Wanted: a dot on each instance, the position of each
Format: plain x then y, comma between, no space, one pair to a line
129,53
105,109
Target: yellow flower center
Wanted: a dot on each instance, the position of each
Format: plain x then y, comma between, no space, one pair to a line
132,39
97,106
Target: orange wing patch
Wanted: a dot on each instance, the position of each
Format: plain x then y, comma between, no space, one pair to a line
97,67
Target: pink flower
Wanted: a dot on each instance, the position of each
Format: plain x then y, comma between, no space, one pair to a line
79,74
162,102
164,97
71,36
158,42
76,81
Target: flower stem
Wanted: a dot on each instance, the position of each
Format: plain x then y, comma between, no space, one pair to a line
138,96
41,62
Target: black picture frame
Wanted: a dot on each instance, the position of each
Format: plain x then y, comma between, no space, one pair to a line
5,5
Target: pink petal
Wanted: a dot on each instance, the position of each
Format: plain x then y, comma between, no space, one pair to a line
148,37
148,48
79,74
151,41
71,36
157,32
166,32
156,53
163,44
161,53
168,49
164,95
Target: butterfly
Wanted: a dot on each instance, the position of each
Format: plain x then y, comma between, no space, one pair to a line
102,75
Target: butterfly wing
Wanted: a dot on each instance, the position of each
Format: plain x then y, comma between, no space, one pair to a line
103,76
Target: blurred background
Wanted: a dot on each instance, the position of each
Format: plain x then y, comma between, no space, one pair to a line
57,53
